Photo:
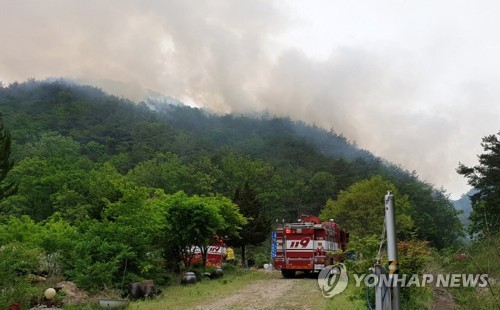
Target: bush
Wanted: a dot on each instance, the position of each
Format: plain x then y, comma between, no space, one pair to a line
365,247
480,258
17,262
261,259
198,271
229,267
413,256
100,264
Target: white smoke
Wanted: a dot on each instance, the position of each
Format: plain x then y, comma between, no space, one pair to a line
413,83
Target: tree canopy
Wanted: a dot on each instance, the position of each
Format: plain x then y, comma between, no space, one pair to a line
361,208
485,178
129,186
194,221
6,164
258,227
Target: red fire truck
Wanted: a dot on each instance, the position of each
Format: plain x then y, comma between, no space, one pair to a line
215,253
308,245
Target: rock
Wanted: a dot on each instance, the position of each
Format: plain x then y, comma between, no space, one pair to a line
73,294
36,279
144,289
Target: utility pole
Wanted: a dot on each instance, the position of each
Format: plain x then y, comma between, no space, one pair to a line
392,250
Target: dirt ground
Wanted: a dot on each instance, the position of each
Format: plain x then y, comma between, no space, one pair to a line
443,300
272,294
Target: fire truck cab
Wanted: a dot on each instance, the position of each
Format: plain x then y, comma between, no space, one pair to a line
308,245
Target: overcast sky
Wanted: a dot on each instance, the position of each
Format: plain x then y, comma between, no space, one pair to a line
415,82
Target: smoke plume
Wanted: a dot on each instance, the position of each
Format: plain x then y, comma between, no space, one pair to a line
419,91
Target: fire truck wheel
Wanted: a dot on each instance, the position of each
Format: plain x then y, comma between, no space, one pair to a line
288,273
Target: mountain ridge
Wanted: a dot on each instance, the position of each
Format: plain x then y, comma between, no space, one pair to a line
293,167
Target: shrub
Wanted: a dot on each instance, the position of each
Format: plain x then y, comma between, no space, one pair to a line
229,267
261,259
99,263
413,256
17,262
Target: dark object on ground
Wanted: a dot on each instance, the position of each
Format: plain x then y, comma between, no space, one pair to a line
217,273
189,278
144,289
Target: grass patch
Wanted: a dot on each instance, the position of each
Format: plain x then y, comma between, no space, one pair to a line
482,257
356,297
179,296
350,299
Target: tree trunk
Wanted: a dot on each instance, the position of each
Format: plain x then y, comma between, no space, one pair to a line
204,251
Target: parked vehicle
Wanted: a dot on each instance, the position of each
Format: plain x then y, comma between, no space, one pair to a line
308,245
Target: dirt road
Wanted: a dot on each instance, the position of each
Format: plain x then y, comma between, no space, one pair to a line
272,294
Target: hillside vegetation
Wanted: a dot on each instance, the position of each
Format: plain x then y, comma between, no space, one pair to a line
128,186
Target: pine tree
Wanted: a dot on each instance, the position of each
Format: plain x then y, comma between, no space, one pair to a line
6,164
257,229
485,177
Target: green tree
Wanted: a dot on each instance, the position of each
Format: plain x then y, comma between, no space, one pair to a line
17,261
126,243
47,186
52,178
485,177
98,259
20,229
435,219
194,221
166,171
360,208
321,187
6,188
258,226
238,170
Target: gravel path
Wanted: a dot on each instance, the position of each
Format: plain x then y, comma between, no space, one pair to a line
269,294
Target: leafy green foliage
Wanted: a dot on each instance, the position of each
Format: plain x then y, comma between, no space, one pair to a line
22,229
480,258
194,221
112,191
365,247
6,164
99,262
166,171
435,218
293,167
413,256
485,177
321,187
258,226
17,261
53,178
55,237
125,240
361,208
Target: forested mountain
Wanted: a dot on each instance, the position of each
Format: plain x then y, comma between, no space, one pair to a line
100,185
465,206
62,133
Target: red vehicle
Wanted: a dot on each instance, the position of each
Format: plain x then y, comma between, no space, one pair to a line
307,246
215,253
